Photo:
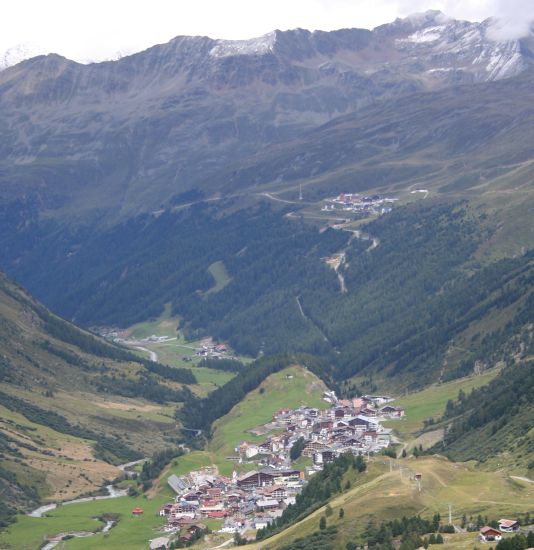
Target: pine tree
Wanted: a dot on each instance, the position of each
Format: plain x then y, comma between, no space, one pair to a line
322,523
341,513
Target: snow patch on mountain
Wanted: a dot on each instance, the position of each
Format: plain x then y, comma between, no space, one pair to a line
504,63
430,34
254,46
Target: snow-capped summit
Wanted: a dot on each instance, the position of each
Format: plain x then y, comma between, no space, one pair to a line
443,45
254,46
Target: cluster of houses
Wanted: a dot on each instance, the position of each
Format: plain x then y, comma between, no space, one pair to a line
349,425
211,349
492,534
246,502
256,498
352,202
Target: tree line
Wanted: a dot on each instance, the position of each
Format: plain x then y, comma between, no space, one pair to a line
199,414
492,417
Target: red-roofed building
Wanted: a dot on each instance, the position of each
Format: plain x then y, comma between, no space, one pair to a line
489,534
217,514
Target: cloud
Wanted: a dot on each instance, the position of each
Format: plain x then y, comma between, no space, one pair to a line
513,20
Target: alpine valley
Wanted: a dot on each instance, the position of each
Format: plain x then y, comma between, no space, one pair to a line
221,257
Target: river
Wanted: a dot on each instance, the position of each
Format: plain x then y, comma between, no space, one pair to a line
113,492
77,534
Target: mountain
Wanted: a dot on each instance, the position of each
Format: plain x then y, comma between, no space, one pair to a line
130,180
71,405
125,136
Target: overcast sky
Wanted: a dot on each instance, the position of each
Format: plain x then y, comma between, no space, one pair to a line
86,30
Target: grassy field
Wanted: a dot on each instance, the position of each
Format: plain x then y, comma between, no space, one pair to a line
220,276
385,495
173,351
164,325
130,532
431,402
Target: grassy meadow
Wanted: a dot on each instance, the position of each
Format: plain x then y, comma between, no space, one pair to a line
431,402
383,495
172,352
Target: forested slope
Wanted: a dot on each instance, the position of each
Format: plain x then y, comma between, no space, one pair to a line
407,301
496,418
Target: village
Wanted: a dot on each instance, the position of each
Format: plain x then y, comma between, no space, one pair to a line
254,499
352,202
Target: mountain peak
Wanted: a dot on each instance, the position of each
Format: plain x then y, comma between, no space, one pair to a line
253,46
414,22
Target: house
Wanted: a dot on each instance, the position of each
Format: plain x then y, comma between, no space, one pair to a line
216,514
137,511
160,542
215,492
165,510
268,504
509,525
276,492
489,534
255,479
281,413
314,447
261,523
324,457
359,424
178,484
184,510
370,437
392,412
252,450
378,399
229,527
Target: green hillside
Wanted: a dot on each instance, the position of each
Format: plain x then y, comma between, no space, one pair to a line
73,406
384,496
495,423
290,388
409,304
